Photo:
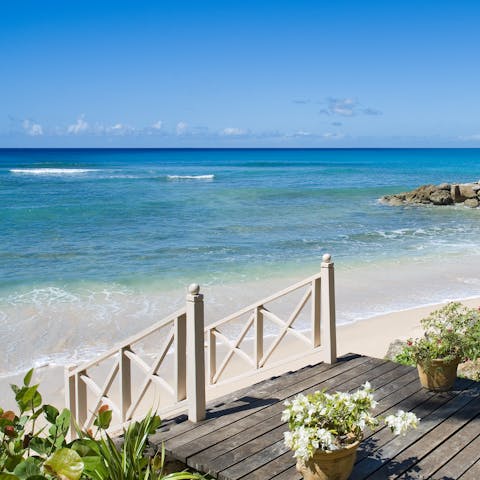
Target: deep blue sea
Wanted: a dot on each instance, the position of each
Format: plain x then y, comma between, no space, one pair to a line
90,230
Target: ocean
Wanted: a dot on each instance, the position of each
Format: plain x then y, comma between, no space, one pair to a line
96,244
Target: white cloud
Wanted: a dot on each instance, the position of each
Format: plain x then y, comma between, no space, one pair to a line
157,125
302,133
471,138
346,107
120,129
333,136
231,131
79,127
32,129
181,128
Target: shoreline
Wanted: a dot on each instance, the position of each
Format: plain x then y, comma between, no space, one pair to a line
370,337
70,327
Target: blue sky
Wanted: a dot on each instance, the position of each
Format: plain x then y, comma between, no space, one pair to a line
240,74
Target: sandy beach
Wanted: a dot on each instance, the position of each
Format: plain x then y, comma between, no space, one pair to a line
368,337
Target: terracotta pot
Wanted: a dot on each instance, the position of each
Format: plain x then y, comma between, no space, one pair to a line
336,465
439,375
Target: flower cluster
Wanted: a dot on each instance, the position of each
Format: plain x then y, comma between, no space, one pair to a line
328,422
451,333
401,422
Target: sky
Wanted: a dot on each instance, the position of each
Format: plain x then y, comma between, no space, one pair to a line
268,73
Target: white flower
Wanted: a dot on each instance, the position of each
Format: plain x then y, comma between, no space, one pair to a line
312,419
401,422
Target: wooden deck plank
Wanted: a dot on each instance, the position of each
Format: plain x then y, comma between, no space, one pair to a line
284,460
459,464
473,473
242,437
441,450
219,408
289,474
278,468
282,392
390,457
253,462
269,418
413,398
228,451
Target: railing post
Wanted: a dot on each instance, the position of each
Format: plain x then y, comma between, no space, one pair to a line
316,302
125,383
258,335
327,309
195,354
212,354
70,399
80,399
180,350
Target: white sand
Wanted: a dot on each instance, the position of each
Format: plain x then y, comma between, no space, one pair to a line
368,337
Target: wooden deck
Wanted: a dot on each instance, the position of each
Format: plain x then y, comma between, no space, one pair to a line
242,437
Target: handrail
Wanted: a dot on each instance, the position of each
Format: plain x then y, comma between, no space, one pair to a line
187,333
268,299
134,339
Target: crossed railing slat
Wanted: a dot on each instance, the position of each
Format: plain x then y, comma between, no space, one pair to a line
185,341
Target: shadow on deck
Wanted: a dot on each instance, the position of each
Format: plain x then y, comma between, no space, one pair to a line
242,436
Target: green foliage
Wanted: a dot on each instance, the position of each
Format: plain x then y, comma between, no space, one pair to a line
65,463
451,333
31,453
104,460
405,357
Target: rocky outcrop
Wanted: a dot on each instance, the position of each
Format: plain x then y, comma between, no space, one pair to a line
443,194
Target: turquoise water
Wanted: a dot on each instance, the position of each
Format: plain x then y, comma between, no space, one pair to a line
80,225
127,216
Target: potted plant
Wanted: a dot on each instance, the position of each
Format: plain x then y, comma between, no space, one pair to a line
326,429
451,335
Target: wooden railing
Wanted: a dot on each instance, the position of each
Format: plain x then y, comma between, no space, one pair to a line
173,378
250,344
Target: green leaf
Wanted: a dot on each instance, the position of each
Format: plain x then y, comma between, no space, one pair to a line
15,388
8,476
63,421
28,377
51,413
60,441
28,398
94,467
156,422
103,419
85,447
40,445
65,463
26,469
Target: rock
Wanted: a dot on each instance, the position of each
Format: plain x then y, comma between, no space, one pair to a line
471,202
470,369
441,197
443,194
455,193
395,200
466,191
420,194
394,349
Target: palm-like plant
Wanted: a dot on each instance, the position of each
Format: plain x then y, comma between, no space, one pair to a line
104,459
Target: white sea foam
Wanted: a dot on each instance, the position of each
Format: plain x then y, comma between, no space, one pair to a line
51,171
190,177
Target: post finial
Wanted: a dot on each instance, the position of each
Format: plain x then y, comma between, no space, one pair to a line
194,289
326,258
